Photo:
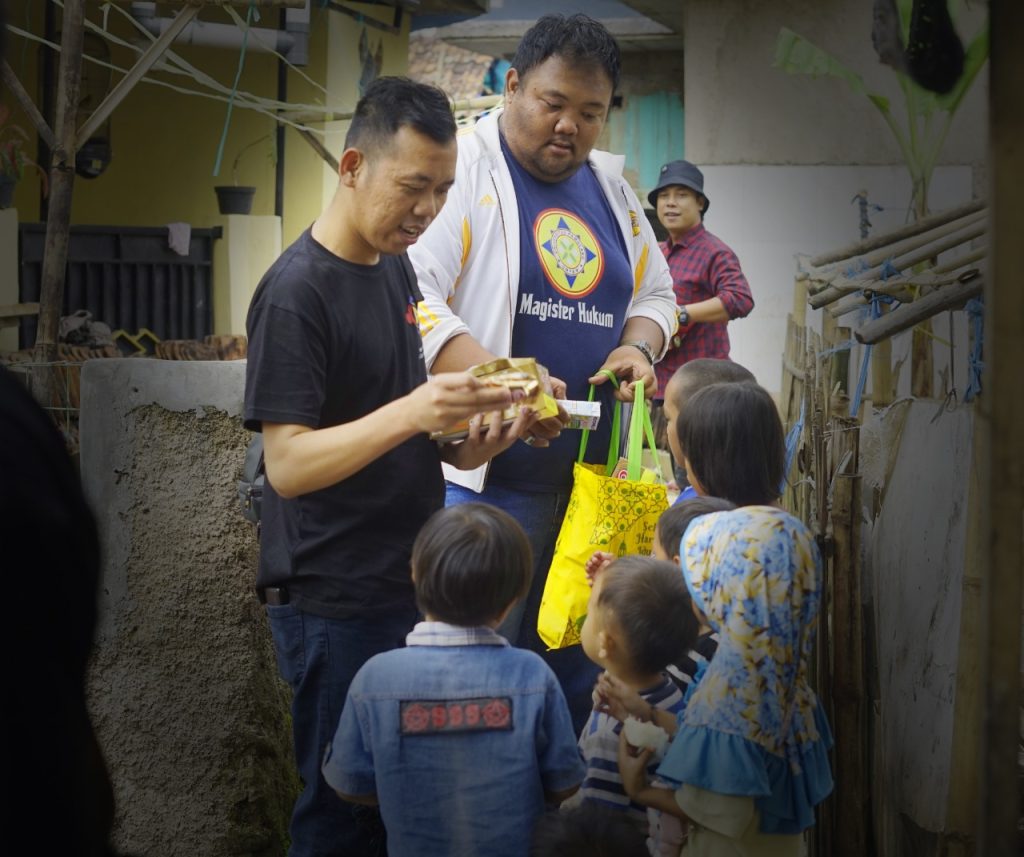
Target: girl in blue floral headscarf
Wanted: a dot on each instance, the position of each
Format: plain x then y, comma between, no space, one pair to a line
750,753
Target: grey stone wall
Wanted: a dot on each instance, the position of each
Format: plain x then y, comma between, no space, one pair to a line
184,692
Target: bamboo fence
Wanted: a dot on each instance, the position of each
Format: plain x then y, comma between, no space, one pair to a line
896,282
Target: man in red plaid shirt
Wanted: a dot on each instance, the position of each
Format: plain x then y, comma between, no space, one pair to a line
709,284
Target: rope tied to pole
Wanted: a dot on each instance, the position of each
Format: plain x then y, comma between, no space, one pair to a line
875,311
975,365
889,270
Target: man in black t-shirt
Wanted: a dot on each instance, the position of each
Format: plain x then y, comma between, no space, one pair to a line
337,384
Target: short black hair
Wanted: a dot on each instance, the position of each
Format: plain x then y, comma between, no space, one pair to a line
469,563
651,604
392,103
733,438
579,39
674,520
701,373
587,830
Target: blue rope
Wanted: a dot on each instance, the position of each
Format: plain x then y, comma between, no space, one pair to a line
875,310
975,366
888,270
234,89
792,439
835,349
855,268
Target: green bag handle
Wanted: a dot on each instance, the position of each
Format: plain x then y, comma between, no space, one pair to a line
640,428
613,444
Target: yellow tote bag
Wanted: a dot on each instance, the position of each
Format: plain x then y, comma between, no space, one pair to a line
616,515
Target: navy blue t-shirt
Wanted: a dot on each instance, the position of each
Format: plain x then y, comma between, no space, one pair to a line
575,288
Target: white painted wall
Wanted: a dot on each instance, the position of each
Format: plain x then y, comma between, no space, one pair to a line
741,110
769,214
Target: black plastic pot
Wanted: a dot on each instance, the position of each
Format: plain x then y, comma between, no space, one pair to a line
235,199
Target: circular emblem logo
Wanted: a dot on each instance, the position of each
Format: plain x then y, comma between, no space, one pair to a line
572,260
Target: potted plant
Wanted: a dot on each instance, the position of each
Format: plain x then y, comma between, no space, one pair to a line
235,198
13,158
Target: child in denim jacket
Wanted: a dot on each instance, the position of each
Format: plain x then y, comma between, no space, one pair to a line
459,737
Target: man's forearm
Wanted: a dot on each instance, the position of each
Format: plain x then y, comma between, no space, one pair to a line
459,353
641,328
707,311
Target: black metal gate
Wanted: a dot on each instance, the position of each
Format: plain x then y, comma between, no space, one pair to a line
128,278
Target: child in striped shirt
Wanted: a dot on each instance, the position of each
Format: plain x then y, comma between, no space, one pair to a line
638,621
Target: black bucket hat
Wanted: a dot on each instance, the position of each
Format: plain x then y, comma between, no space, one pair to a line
680,173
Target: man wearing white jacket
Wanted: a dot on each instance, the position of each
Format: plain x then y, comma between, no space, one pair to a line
543,250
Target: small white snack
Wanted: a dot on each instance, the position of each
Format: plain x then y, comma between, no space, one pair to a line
642,733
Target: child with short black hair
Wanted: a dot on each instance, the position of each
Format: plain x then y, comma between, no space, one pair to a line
459,737
733,445
687,380
639,620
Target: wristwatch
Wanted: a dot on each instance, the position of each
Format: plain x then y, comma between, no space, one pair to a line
643,347
683,314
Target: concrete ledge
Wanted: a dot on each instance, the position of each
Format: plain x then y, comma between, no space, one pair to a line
183,690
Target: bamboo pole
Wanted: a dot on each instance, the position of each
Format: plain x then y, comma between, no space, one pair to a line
922,361
858,248
844,285
62,177
127,83
319,148
903,288
304,117
852,740
908,315
823,279
882,387
1000,417
27,104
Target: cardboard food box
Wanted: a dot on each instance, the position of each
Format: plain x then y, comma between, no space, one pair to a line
582,415
517,373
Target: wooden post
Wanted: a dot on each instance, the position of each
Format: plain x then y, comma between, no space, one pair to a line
852,739
62,177
882,392
1000,415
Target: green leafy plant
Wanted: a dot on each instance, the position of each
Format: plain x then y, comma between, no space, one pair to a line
14,161
921,131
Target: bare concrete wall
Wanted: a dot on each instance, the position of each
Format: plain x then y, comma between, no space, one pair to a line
184,692
916,466
740,110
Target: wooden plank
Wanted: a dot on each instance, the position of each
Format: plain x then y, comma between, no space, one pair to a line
143,64
962,801
17,311
922,363
848,693
1001,415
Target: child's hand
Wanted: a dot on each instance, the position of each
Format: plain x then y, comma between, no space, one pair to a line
616,700
633,766
596,564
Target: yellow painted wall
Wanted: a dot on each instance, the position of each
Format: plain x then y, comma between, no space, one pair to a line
165,143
